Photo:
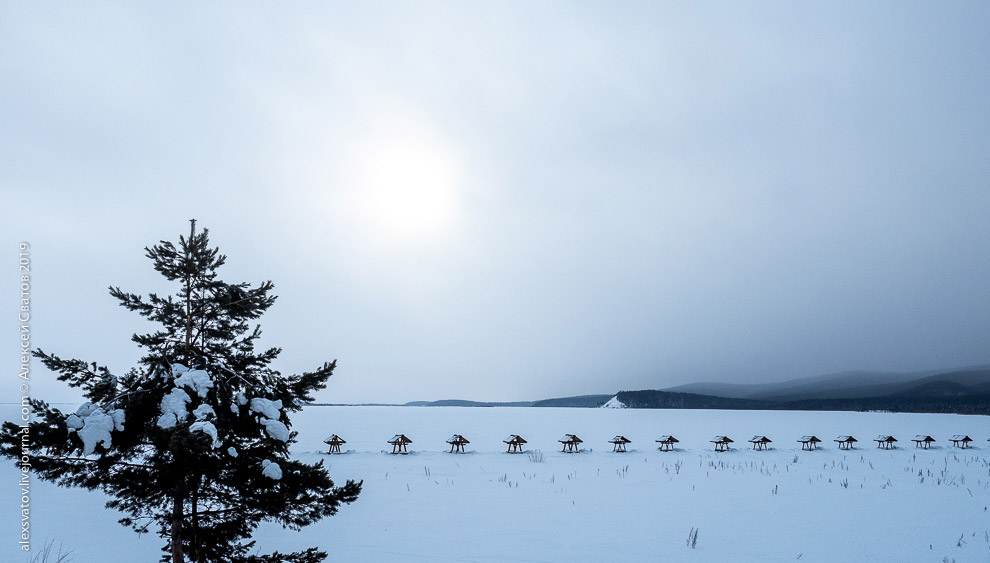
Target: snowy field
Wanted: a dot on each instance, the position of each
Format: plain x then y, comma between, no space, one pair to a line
784,504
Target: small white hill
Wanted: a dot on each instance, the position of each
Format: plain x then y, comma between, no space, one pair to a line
614,403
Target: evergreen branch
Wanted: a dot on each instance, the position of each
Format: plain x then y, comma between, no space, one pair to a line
86,460
206,501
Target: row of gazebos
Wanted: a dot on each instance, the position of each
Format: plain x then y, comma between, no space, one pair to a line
572,444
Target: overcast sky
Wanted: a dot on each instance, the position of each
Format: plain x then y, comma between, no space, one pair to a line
512,200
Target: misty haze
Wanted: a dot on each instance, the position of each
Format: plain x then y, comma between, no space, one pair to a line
619,222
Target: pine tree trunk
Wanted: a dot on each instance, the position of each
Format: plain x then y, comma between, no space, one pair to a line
198,553
192,235
179,496
177,499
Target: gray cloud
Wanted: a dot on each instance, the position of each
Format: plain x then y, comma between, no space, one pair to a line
639,195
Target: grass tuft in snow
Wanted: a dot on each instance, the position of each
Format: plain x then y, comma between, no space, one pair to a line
48,554
692,539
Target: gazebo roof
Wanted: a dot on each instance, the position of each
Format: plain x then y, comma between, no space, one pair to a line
334,439
762,439
458,439
809,439
724,439
400,439
514,439
845,438
620,440
961,438
570,438
923,438
668,438
884,438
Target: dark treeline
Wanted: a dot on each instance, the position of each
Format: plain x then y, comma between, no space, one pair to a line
969,404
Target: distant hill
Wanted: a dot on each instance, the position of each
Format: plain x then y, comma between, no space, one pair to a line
592,401
796,387
846,385
963,390
581,401
460,403
671,400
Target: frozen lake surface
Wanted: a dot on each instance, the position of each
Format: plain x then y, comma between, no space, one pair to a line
783,504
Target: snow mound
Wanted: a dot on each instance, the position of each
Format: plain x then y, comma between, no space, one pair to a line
197,380
173,409
271,470
268,409
73,422
118,419
95,430
614,403
203,412
94,426
206,428
276,430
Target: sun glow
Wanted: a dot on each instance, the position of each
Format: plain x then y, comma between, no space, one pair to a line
405,190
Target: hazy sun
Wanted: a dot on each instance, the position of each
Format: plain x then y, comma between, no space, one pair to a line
405,190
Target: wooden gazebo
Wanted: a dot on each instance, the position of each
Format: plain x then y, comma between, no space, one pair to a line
923,441
721,443
885,442
667,443
619,443
809,442
399,443
571,443
961,441
515,442
846,442
457,443
760,442
334,442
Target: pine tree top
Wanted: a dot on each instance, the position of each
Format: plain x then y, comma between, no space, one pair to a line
202,420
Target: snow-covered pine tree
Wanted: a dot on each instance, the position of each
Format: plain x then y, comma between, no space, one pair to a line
194,441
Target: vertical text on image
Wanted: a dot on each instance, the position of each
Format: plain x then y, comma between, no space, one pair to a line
24,386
